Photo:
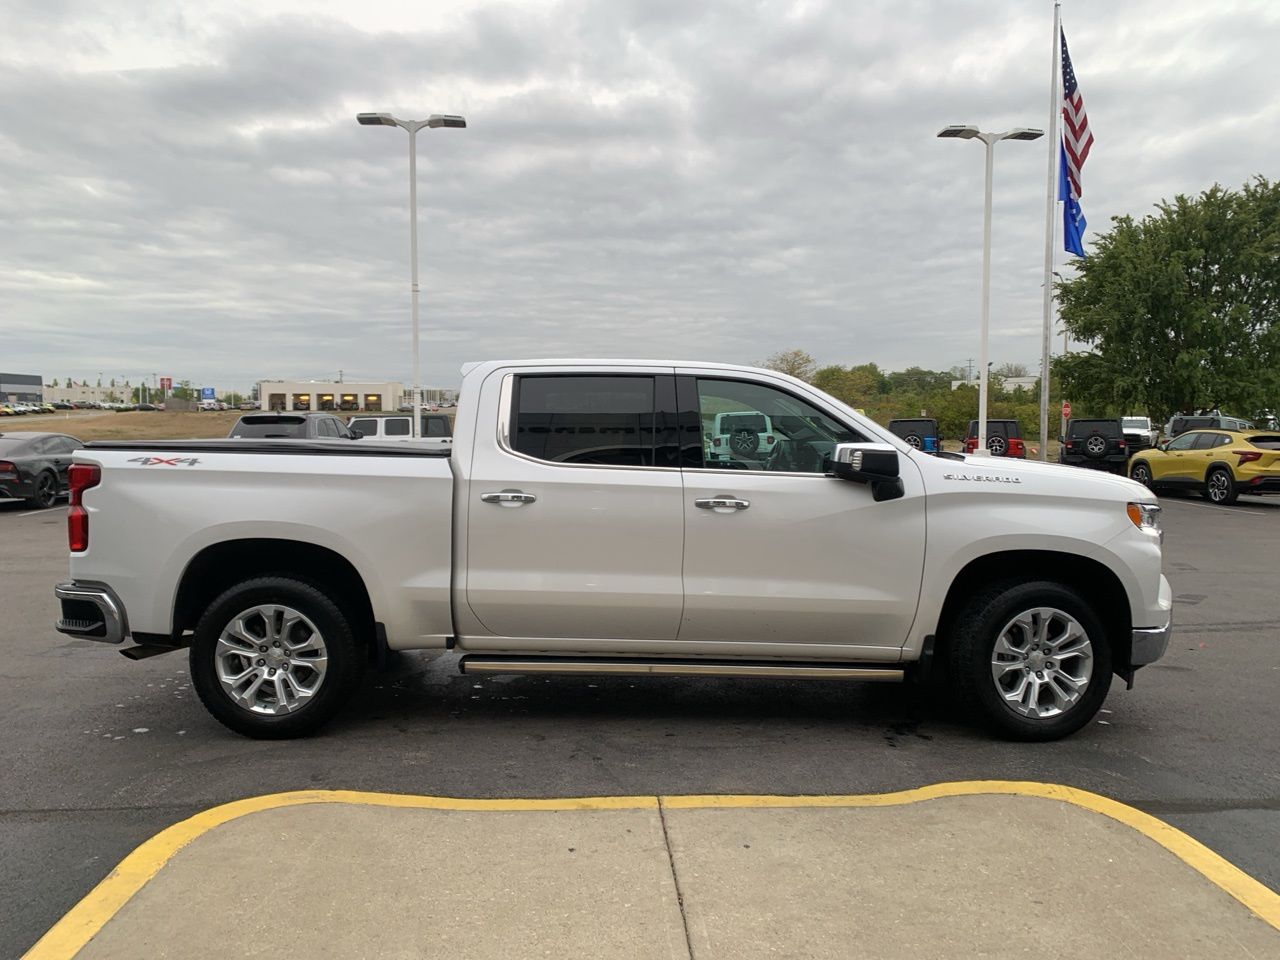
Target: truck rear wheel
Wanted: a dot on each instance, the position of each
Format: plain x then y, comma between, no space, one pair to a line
1031,659
274,658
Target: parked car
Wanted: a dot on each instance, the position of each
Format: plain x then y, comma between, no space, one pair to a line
291,426
437,428
1219,464
577,526
742,434
1004,438
7,411
249,405
1139,433
33,466
1094,443
63,405
1180,423
148,406
921,434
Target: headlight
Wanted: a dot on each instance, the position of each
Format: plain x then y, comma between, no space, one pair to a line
1145,516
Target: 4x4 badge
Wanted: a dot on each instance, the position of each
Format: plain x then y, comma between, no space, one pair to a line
165,461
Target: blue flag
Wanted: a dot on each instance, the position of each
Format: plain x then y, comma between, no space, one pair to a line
1073,222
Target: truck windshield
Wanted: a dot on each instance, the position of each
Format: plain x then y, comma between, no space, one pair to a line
1136,423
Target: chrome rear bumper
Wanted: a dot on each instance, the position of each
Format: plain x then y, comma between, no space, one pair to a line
91,611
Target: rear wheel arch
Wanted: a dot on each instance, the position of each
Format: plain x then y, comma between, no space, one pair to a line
220,566
1091,578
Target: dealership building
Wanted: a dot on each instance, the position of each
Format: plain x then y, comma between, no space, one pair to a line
328,395
21,388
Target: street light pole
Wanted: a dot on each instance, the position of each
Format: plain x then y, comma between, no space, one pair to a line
412,127
970,132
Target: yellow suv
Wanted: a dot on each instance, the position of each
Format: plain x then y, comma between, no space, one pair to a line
7,411
1221,464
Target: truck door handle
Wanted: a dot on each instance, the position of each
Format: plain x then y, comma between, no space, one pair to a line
713,503
508,496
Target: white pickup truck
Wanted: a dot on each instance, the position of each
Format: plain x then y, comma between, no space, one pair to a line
577,527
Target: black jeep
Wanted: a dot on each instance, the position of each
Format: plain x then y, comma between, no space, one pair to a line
921,434
1099,444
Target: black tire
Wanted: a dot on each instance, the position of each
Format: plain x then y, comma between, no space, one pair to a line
1220,487
1141,471
972,641
345,658
1095,447
998,446
744,442
46,493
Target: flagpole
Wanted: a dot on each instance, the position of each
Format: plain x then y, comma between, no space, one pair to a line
1050,208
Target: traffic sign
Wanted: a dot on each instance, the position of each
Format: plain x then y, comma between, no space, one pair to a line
1066,408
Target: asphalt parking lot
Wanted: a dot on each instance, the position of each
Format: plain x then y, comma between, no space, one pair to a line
100,753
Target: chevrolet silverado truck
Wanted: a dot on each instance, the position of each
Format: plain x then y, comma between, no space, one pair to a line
577,526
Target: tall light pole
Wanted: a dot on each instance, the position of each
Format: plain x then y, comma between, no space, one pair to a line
413,126
970,132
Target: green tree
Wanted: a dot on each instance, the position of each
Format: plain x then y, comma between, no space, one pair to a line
1180,308
184,390
794,363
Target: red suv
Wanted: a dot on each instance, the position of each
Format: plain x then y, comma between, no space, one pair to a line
1004,438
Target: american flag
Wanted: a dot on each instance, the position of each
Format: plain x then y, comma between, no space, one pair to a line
1076,136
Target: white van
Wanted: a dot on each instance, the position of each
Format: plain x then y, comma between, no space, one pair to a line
437,428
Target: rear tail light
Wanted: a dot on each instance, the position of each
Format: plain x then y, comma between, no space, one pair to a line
81,477
716,442
769,439
1121,444
1246,456
8,471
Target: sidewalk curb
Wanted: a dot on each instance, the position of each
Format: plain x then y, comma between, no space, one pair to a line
83,921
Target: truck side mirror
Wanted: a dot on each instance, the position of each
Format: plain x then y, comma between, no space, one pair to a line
871,463
356,434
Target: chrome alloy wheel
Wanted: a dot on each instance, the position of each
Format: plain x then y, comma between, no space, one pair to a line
997,446
270,659
1219,486
1042,662
1096,445
1142,474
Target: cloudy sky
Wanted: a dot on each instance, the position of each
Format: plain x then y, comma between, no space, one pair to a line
184,189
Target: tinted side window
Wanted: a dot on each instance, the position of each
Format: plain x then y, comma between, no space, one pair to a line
324,428
397,426
1183,442
1207,441
800,438
45,447
603,420
366,425
436,427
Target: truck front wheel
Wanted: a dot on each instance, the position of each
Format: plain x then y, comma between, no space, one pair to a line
274,658
1031,659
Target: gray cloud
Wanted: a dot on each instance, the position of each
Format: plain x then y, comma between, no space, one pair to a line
639,178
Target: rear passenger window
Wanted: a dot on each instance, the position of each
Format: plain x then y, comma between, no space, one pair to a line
325,428
396,426
436,427
598,420
367,426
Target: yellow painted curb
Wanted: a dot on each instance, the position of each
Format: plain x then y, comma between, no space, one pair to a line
83,921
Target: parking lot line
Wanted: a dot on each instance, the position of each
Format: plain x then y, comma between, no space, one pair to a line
80,924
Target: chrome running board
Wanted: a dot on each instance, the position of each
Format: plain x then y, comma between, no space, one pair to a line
478,663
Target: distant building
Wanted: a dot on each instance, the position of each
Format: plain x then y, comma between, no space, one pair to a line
328,395
21,388
77,393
